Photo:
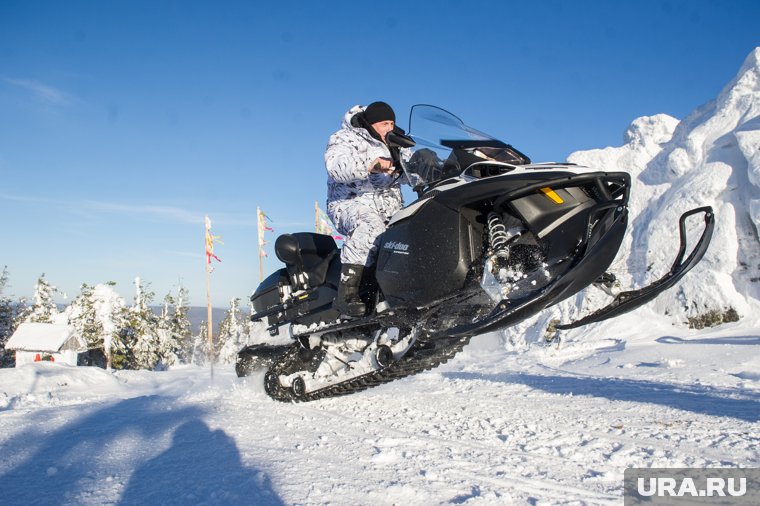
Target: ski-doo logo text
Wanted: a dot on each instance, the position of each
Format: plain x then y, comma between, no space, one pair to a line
692,486
397,247
670,487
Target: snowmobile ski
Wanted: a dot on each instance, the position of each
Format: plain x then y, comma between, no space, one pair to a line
627,301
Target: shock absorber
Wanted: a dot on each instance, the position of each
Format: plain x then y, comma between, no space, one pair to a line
497,236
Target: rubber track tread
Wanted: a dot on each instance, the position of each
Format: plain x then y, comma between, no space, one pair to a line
421,357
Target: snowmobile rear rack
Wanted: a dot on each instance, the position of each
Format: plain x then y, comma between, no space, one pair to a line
630,300
294,301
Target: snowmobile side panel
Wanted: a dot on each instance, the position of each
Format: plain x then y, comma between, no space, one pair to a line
496,187
625,302
424,259
600,250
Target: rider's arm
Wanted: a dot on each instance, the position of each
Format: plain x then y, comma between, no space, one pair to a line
344,164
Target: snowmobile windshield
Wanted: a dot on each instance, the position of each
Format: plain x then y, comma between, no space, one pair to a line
441,139
440,127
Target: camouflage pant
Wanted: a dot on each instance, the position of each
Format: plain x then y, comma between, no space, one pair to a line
361,225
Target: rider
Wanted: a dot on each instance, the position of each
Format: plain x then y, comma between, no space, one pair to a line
363,192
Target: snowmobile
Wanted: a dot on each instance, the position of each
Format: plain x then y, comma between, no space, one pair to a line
492,239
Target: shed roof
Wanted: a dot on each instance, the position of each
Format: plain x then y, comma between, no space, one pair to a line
50,337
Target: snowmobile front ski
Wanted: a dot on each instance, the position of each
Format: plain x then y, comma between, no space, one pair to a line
625,302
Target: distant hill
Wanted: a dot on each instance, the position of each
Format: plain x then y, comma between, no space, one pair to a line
198,314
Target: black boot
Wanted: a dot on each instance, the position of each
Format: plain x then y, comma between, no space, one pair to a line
348,301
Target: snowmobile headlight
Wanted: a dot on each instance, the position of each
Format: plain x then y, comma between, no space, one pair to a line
552,195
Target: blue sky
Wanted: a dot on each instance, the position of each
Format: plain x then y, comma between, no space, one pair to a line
123,123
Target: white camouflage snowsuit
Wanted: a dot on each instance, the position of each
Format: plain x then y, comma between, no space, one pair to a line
359,203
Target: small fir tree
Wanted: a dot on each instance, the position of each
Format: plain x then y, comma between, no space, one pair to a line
110,310
81,315
98,314
44,308
6,320
143,329
22,312
232,334
180,325
200,345
168,342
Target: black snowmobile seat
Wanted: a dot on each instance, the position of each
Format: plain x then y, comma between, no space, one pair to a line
306,253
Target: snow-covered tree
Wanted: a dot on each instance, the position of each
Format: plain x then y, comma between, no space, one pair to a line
6,319
110,310
169,346
99,314
232,334
81,315
180,325
200,345
175,334
142,329
22,312
44,308
146,350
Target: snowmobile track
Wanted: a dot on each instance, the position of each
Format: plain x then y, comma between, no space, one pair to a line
423,356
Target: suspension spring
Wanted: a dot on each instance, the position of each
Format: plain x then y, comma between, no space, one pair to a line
497,235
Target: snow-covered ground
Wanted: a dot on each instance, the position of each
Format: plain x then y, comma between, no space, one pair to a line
511,420
540,424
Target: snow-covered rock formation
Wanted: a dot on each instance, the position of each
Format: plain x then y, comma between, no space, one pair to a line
710,158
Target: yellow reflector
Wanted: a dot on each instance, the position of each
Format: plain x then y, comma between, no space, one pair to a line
552,195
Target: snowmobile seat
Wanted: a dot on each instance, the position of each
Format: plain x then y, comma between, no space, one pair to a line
306,256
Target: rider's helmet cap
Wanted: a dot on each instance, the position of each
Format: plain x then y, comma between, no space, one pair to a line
379,111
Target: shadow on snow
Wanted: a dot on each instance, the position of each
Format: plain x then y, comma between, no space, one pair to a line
200,467
697,399
81,460
735,340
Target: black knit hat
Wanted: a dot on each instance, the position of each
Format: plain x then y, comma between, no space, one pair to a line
379,111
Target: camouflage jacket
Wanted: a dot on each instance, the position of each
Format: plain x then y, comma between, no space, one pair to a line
349,153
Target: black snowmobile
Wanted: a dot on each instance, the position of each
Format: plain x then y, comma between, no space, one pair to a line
491,240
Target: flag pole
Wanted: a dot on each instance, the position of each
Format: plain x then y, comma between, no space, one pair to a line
261,243
316,217
209,330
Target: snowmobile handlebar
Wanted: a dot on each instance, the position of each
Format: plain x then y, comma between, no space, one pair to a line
378,168
399,139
